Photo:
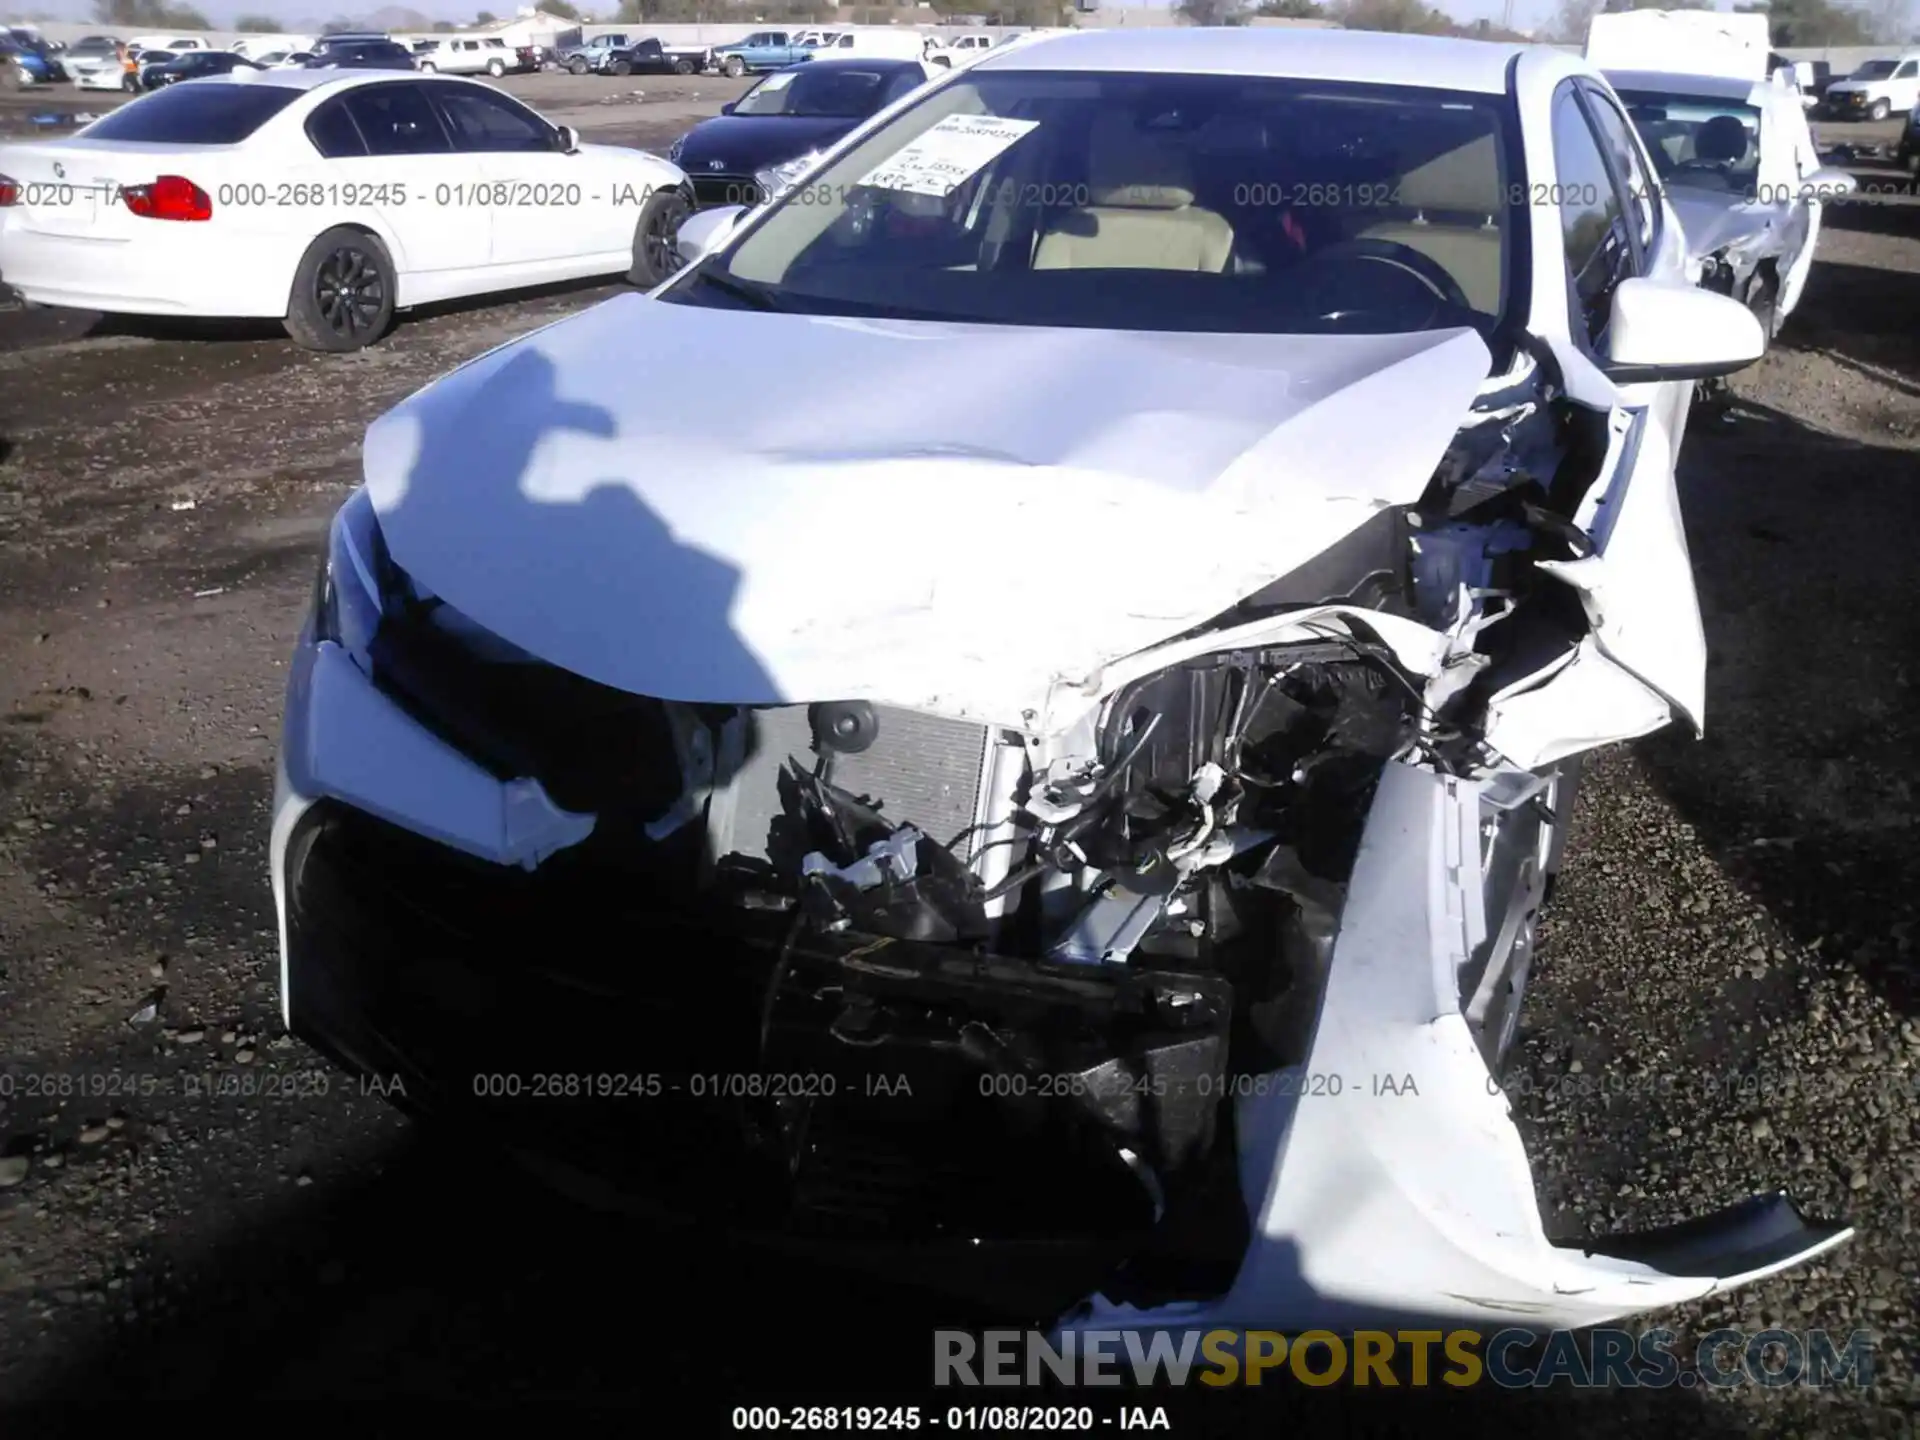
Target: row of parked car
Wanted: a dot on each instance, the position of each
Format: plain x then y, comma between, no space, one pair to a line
104,62
620,53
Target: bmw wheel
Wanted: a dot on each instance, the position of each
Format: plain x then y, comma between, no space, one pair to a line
654,254
342,297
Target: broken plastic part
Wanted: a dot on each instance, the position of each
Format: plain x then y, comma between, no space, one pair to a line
894,858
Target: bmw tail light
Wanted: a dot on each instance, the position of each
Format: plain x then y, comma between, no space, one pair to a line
171,197
9,191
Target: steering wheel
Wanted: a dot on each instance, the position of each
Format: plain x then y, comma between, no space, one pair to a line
1421,266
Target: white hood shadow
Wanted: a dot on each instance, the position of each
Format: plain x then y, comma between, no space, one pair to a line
952,518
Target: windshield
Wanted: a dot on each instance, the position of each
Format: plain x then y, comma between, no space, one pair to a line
807,91
1873,70
1151,202
205,114
1697,143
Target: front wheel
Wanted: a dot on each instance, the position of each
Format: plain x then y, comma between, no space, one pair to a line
734,68
496,68
342,297
654,254
1879,110
619,67
576,66
683,67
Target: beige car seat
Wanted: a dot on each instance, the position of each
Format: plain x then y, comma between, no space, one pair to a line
1457,206
1141,215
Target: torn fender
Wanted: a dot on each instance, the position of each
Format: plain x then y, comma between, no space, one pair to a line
1386,1179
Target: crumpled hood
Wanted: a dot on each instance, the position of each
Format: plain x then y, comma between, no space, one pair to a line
740,507
1713,222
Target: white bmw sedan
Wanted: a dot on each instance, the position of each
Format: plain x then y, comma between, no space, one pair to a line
328,199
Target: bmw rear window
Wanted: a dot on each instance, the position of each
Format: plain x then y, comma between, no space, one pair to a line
203,114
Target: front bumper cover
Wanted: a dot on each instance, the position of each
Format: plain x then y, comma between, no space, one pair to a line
1383,1178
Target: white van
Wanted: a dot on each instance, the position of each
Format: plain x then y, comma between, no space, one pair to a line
877,43
175,43
1877,89
255,46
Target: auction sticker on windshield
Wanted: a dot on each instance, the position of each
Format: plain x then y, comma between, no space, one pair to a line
948,155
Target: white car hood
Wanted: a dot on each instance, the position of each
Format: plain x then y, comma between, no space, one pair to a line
747,508
1712,222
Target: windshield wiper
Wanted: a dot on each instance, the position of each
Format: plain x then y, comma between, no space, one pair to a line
754,294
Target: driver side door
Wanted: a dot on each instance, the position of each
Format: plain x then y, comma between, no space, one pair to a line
548,207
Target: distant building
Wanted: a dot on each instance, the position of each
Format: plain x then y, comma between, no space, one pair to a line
528,27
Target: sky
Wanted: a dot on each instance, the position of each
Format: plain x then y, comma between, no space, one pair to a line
1527,14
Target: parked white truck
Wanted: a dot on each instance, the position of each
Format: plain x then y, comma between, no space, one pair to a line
1876,90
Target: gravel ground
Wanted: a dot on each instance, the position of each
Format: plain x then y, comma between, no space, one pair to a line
195,1208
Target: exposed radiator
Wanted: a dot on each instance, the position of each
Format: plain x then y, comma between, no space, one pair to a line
925,771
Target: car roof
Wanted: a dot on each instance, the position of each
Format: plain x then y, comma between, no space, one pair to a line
1426,61
321,79
1705,87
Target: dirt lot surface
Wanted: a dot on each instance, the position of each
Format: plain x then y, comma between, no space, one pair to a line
197,1212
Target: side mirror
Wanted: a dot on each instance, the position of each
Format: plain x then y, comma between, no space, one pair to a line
705,231
1829,182
727,109
1660,330
569,140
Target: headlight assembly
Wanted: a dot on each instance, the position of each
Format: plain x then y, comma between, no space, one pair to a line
776,180
347,591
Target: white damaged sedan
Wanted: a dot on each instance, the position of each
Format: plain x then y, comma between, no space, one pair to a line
1025,705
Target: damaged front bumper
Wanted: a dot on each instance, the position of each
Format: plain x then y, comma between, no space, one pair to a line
834,1090
1386,1178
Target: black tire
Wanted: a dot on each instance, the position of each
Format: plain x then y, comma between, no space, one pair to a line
342,296
683,67
619,67
1879,110
733,67
496,68
576,66
654,257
